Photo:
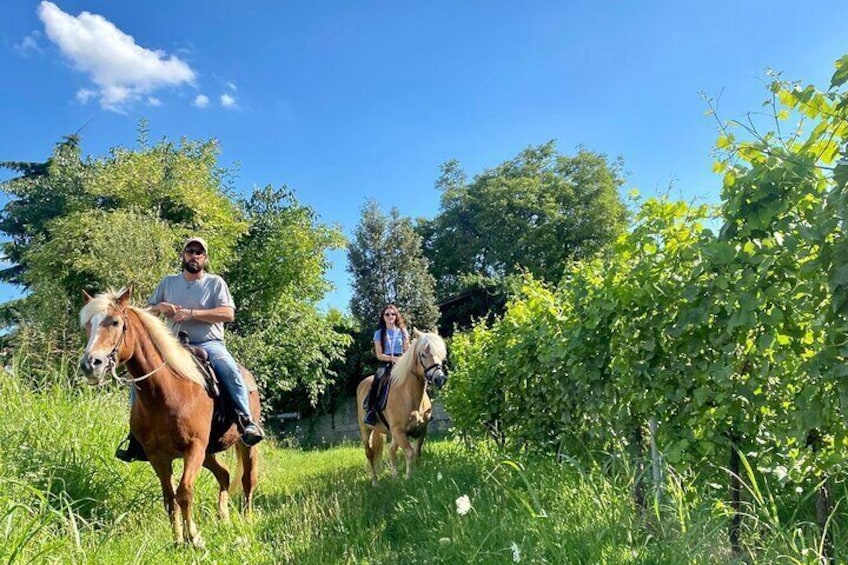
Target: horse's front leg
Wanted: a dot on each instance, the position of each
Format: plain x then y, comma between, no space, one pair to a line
193,459
165,471
399,439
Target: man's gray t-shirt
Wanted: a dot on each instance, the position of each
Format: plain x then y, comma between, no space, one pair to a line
209,291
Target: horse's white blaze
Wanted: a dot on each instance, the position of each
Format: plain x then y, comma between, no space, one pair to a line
95,330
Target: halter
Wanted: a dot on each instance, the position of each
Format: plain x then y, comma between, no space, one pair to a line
429,371
112,358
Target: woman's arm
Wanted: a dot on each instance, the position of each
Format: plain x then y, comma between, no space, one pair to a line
378,352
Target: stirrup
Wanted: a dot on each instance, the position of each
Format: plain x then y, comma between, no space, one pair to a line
252,434
370,418
132,452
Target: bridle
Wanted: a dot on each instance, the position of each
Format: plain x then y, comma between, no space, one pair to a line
429,371
112,359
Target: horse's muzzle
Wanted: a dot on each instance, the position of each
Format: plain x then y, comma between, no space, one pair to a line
94,368
439,378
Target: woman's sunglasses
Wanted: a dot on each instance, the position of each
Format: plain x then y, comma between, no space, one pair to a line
389,314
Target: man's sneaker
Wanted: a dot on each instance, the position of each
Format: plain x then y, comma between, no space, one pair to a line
370,417
252,434
132,452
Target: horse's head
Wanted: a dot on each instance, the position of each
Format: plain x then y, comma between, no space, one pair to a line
105,321
431,353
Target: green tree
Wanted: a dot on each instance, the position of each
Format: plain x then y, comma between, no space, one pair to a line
89,224
277,283
43,191
535,213
388,266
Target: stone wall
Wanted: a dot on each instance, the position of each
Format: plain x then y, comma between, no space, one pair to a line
341,426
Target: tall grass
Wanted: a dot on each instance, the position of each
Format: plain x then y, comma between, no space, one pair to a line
64,498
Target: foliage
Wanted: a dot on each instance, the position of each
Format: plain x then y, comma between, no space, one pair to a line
92,224
292,349
282,255
735,343
536,212
119,220
41,193
387,266
280,334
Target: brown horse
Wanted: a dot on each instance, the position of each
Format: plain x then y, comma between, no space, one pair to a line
172,414
408,408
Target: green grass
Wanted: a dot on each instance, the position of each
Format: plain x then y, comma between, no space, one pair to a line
65,499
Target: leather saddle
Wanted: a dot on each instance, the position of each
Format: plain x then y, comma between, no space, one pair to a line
224,414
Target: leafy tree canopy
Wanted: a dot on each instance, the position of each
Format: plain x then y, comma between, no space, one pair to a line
89,224
535,213
388,266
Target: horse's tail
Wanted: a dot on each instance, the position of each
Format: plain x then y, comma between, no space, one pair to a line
235,482
246,458
375,442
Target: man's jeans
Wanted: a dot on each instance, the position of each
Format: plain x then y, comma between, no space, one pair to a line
228,373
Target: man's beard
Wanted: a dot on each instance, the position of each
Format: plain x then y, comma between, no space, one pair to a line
192,267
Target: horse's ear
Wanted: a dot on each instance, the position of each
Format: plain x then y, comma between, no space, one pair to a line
86,296
124,296
415,333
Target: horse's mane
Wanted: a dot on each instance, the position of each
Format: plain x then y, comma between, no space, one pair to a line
405,364
179,359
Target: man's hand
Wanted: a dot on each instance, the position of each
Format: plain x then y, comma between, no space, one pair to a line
183,314
167,309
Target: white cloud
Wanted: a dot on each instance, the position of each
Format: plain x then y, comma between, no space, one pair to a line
228,101
122,70
153,101
201,101
84,95
29,45
232,86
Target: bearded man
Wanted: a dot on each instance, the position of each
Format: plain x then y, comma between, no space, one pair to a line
199,303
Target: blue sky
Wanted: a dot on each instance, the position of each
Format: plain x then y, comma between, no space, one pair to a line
345,101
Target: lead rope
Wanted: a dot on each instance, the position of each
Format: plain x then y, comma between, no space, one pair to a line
132,381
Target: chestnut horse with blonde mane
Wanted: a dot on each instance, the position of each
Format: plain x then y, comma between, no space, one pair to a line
408,408
172,415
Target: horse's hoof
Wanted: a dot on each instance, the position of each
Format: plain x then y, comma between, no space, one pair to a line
198,542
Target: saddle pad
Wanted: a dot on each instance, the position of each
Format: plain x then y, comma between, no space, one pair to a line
383,392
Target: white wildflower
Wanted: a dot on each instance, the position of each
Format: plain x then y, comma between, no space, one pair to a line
463,505
439,476
516,553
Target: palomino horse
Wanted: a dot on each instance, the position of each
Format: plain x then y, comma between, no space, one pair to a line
408,409
172,415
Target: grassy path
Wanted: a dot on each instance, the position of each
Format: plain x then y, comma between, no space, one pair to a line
65,499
